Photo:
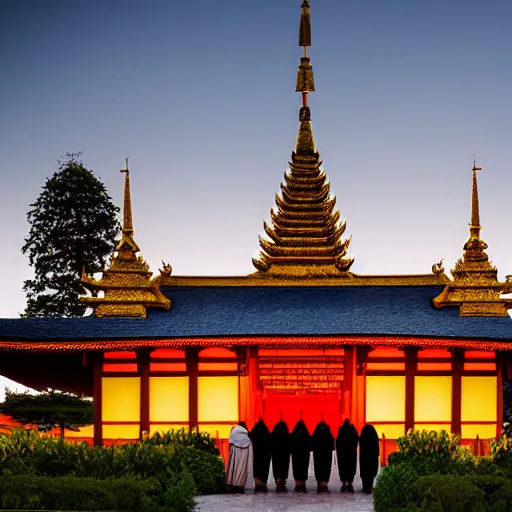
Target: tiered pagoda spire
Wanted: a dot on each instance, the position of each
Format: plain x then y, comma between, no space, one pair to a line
306,233
127,284
475,287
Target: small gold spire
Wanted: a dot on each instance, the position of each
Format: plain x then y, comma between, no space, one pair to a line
305,80
127,219
305,25
475,288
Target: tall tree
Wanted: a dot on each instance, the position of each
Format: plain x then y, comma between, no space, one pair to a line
73,224
48,409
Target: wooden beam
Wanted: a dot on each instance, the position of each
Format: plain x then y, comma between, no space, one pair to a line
500,363
97,364
348,382
457,368
411,357
192,357
143,357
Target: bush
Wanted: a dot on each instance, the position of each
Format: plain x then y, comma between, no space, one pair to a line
71,493
501,499
393,490
199,440
433,453
445,493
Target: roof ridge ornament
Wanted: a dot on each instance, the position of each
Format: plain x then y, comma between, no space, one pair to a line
305,233
127,284
475,288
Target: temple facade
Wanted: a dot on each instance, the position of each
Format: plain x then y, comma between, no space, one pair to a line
301,337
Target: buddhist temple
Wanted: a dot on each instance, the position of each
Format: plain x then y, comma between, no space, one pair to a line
302,336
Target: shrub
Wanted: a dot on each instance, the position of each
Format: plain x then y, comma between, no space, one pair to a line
433,453
199,440
501,499
446,493
393,490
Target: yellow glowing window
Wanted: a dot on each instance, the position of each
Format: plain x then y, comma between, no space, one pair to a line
83,432
385,398
120,399
161,428
433,426
217,399
121,431
479,398
390,431
168,399
432,399
482,431
216,431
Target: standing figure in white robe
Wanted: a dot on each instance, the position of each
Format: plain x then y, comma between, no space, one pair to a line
240,454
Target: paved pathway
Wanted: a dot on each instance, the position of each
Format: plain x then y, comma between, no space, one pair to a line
296,502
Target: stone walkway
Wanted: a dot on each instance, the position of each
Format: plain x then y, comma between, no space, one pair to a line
296,502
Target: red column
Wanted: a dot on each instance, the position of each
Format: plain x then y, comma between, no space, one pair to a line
411,357
499,402
457,366
192,358
143,357
97,369
349,377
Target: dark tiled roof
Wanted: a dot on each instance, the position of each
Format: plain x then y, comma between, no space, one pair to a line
275,311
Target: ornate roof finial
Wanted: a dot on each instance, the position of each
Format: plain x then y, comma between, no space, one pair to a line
127,284
127,216
475,288
306,235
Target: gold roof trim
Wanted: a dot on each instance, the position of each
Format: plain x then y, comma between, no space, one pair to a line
127,284
475,288
305,231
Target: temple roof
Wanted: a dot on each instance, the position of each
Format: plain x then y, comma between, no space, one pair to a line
259,311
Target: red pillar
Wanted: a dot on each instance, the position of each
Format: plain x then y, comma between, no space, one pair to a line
97,369
349,378
143,357
499,402
192,359
411,357
457,367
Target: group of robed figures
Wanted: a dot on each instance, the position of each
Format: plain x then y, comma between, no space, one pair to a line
280,445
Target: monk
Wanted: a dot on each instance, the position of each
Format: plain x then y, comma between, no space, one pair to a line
300,448
368,457
346,454
323,446
239,455
281,455
262,449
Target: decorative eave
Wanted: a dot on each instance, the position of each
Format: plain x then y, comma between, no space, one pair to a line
127,285
305,239
475,288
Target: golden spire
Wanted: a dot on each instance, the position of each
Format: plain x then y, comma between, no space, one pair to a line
475,287
305,235
127,284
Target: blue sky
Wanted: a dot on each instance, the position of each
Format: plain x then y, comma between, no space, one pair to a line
200,96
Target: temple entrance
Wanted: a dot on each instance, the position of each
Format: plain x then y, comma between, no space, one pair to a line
302,383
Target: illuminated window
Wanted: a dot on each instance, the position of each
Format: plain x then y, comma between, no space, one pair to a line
121,431
216,431
120,399
385,398
390,431
168,399
434,367
432,399
217,399
479,399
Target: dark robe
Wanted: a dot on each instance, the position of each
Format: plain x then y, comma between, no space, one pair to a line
300,448
323,445
368,456
262,450
346,451
280,450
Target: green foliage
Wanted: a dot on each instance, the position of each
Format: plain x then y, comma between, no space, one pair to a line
69,493
182,437
446,493
49,408
433,453
393,490
73,224
501,499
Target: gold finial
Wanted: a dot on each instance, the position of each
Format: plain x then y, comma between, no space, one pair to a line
305,79
305,26
127,219
474,227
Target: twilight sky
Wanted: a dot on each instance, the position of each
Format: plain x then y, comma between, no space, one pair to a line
200,96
